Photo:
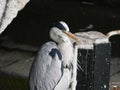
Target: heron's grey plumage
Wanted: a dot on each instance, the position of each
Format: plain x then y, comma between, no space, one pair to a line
46,70
55,66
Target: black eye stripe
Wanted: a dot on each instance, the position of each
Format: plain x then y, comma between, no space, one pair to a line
60,26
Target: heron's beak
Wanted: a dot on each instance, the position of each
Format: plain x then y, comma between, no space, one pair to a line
69,34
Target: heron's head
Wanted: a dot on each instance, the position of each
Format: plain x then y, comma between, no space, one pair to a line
60,33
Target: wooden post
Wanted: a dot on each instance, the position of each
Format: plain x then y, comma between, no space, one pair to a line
101,66
95,64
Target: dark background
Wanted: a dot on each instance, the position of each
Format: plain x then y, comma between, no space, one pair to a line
32,24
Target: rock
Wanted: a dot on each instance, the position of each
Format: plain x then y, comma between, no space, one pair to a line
9,10
16,62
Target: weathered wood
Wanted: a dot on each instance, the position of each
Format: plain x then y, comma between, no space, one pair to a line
94,57
102,66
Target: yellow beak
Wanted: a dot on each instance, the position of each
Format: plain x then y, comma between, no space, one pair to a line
72,36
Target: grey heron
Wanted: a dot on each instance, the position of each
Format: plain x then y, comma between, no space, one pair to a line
54,67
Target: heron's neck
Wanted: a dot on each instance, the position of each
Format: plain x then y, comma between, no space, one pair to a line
66,50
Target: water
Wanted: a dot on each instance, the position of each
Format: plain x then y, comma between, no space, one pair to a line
12,82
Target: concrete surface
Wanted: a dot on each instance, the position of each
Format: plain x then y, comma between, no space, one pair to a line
17,60
9,10
115,70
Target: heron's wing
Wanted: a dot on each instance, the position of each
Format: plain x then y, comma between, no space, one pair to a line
47,68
